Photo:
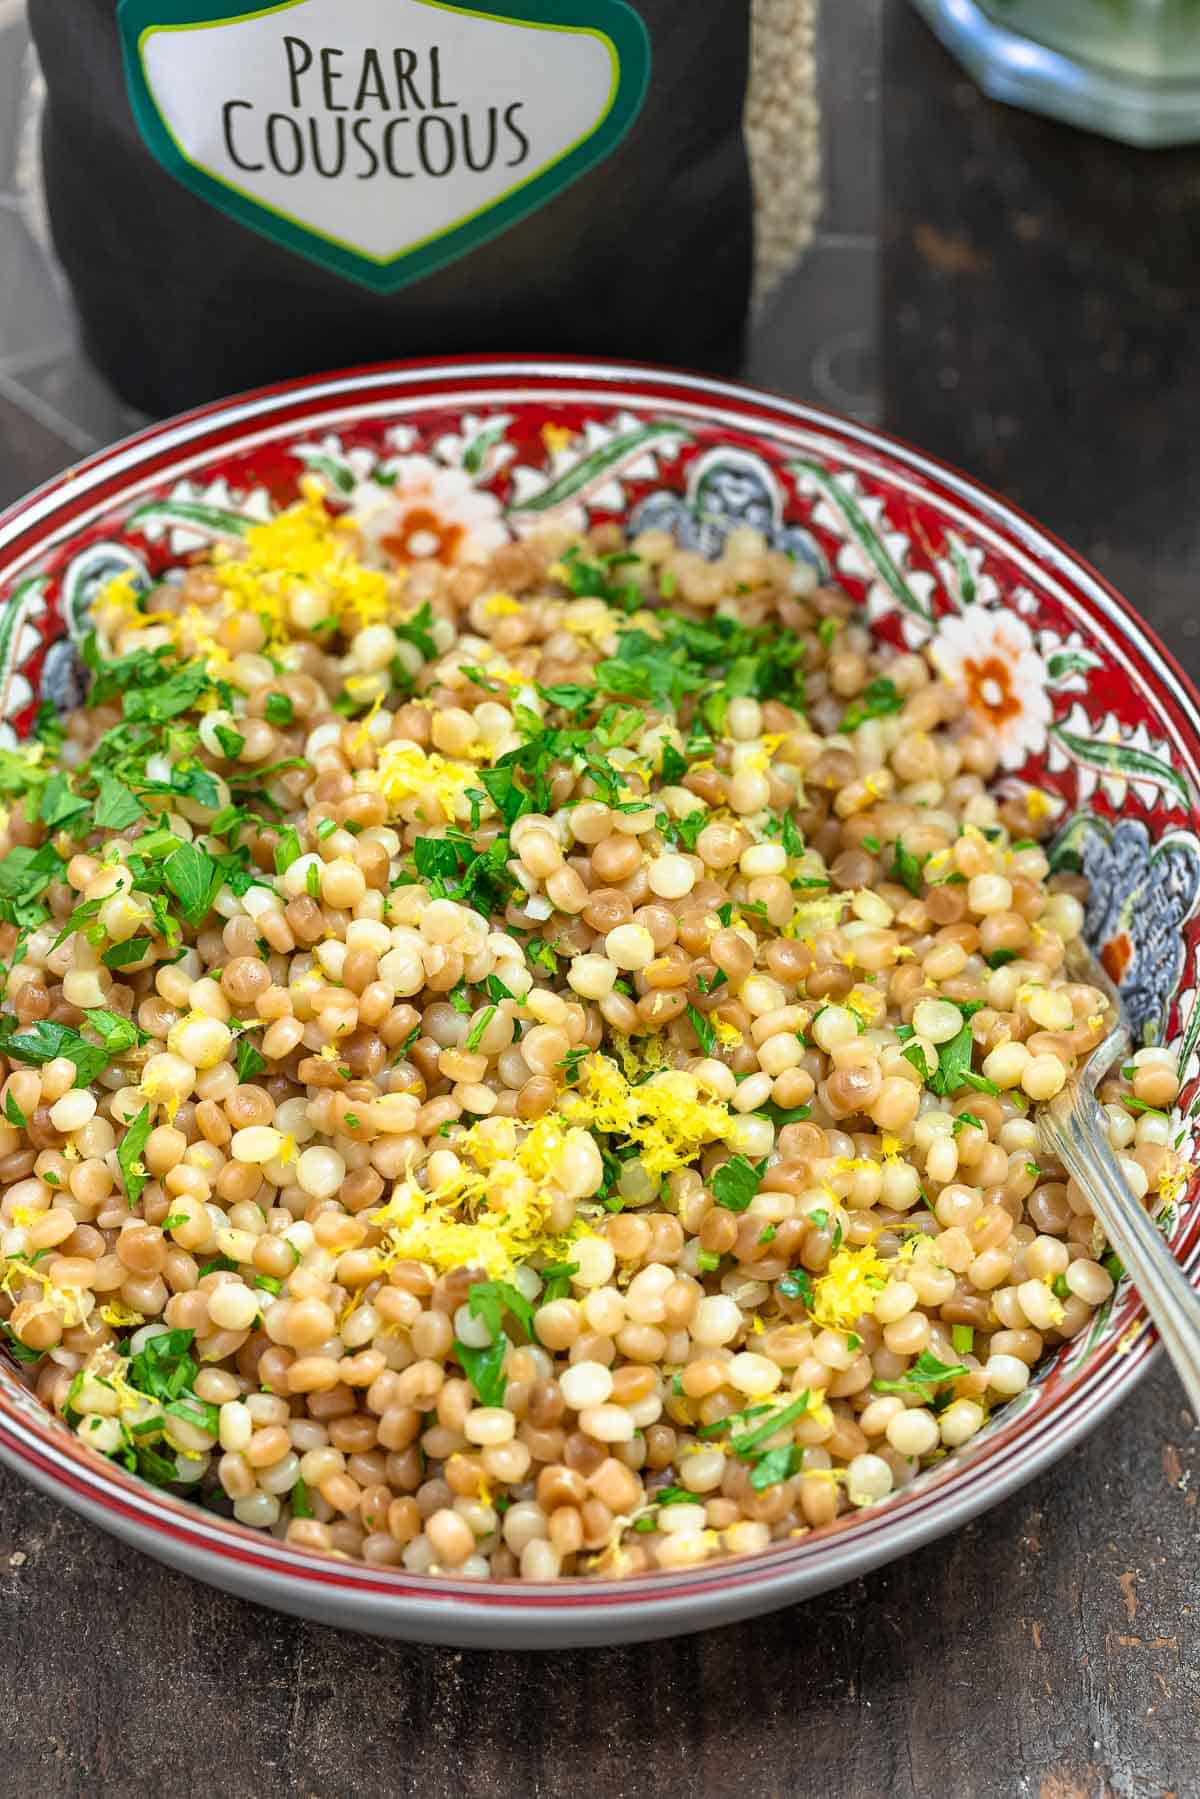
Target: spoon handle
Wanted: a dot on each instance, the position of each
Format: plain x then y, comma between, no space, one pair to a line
1071,1129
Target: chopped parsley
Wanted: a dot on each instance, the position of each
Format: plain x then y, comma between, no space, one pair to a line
129,1153
736,1182
879,698
920,1381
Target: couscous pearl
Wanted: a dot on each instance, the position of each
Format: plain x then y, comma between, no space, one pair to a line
1043,1076
1006,1375
199,1040
671,877
607,1423
868,1478
489,1425
257,1143
72,1111
716,1320
937,1020
319,1171
586,1385
989,893
630,947
592,976
960,1421
1051,1010
233,1307
913,1433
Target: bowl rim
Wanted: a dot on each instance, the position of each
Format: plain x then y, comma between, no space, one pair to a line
539,1614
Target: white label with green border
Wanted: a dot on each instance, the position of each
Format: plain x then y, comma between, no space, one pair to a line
382,138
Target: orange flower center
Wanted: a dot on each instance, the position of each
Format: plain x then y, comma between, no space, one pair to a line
1115,957
421,535
989,689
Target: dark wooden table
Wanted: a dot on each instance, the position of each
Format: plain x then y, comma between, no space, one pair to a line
1040,302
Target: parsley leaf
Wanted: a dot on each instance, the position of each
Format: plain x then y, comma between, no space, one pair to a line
704,1031
736,1182
778,1421
194,878
59,806
43,1042
484,1368
489,1300
880,697
129,1153
920,1380
674,766
797,1284
246,1060
116,807
287,850
906,868
557,1276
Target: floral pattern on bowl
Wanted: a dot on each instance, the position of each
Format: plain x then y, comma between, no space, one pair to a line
1098,740
1141,896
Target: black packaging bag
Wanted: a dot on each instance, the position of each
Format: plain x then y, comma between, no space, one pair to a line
238,198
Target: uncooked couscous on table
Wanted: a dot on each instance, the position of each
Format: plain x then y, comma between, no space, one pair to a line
528,1067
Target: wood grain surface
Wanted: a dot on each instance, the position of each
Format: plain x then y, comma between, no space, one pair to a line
1039,330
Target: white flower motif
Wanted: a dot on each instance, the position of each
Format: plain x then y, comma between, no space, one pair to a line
991,658
428,513
479,445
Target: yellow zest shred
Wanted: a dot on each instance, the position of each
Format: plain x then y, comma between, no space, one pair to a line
362,736
118,1314
849,1287
817,915
501,605
1173,1180
666,1116
405,771
492,1213
298,550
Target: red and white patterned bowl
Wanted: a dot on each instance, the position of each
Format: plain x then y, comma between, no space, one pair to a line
1095,723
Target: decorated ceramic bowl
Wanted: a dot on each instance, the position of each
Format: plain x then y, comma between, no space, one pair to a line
1097,730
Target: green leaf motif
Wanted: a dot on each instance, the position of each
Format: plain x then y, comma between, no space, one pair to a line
1122,759
337,472
192,515
1071,662
962,567
1191,1035
601,462
12,616
867,537
87,576
476,451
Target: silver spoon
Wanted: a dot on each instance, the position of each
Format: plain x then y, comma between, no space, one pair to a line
1071,1129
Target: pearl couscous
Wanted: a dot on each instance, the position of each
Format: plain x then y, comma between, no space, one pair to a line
529,1070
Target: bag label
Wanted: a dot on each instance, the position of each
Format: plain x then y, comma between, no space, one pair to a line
382,138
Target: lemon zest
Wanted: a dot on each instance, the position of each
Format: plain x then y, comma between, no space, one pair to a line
665,1116
849,1287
